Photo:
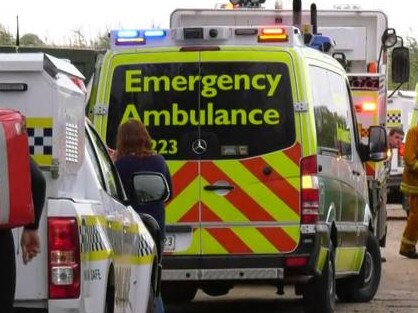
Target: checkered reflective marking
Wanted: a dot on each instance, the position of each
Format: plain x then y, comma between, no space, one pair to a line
40,132
40,140
144,245
90,238
394,118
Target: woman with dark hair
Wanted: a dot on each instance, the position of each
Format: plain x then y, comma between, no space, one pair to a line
133,154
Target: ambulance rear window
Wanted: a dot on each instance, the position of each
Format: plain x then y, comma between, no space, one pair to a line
223,110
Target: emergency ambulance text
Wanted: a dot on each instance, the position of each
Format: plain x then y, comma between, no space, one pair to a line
201,117
210,84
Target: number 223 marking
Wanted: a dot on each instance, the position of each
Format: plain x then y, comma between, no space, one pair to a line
163,146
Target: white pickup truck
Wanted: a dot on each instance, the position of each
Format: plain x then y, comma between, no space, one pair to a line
97,255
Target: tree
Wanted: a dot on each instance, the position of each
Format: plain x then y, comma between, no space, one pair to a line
101,42
412,44
6,38
31,40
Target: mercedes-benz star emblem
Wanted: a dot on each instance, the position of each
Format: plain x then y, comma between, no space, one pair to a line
199,146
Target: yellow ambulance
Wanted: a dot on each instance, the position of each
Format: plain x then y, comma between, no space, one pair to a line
262,142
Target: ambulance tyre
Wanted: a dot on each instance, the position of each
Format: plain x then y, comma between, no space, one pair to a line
319,292
363,287
177,292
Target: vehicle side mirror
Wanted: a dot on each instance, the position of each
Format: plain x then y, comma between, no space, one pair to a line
378,145
400,64
150,187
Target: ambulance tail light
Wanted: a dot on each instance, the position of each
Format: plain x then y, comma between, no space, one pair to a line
274,34
296,261
63,258
309,190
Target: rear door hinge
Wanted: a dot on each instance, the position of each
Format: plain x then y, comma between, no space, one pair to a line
100,110
301,106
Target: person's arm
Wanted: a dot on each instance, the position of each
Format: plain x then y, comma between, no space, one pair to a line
411,149
38,193
30,238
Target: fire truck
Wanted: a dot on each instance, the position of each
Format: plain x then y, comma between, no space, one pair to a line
262,138
97,254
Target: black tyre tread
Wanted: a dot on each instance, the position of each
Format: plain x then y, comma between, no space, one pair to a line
316,298
177,293
352,289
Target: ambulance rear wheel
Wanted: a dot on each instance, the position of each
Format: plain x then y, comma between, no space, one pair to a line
319,292
363,287
177,292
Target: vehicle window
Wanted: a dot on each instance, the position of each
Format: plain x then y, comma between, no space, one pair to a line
332,113
107,169
231,105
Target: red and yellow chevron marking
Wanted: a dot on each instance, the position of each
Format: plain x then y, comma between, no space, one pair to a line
266,190
370,169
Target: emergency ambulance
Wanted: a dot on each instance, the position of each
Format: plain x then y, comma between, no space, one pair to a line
360,40
97,255
262,142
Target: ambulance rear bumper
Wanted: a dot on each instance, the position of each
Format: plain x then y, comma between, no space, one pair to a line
224,274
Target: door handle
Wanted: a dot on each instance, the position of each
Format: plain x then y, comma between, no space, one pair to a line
218,187
356,173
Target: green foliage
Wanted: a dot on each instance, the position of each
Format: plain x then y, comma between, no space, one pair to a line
31,40
413,58
6,38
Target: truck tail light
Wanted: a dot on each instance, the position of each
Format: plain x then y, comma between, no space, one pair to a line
309,190
274,34
368,106
63,258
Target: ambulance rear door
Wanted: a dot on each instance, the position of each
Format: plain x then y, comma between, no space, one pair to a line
250,168
225,122
162,90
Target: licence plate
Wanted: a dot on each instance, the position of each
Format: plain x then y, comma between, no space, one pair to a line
169,242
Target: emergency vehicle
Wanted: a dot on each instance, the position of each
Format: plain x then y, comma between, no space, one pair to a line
96,253
400,108
262,141
360,41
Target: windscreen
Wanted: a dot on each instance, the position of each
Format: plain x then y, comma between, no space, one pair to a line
238,109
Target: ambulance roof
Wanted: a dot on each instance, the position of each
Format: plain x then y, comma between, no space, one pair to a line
36,62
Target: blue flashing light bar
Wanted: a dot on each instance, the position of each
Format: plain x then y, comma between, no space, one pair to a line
127,34
155,33
137,37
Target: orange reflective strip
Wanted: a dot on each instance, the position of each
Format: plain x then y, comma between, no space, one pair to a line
242,201
184,176
279,238
369,169
294,153
274,181
229,240
208,215
192,215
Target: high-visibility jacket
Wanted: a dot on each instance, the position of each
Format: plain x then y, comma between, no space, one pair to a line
409,183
